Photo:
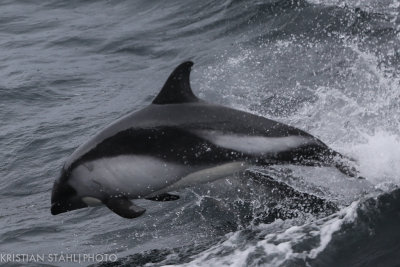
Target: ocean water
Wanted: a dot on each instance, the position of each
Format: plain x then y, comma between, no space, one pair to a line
329,67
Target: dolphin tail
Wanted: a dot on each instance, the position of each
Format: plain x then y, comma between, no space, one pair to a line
344,164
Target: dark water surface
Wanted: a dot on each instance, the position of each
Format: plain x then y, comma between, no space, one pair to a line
330,67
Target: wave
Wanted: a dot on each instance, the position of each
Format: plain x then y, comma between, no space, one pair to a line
363,234
371,239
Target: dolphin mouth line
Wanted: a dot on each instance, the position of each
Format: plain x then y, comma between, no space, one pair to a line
56,209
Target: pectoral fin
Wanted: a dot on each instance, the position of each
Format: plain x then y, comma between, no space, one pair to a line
124,207
164,197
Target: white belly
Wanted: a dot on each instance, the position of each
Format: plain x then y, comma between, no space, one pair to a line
143,176
129,175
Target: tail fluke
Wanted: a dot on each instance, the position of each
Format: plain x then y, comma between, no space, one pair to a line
344,164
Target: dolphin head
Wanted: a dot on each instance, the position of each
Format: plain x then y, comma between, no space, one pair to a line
64,197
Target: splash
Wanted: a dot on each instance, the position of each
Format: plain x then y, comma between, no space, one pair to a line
379,157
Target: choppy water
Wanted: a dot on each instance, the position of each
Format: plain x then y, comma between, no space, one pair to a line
330,67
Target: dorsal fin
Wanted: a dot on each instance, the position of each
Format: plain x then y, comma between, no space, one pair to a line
177,88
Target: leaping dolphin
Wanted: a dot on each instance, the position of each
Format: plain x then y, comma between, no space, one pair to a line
177,141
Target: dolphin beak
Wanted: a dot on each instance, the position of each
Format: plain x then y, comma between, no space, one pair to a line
57,208
64,198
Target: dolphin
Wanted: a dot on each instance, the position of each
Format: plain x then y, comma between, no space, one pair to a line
177,141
